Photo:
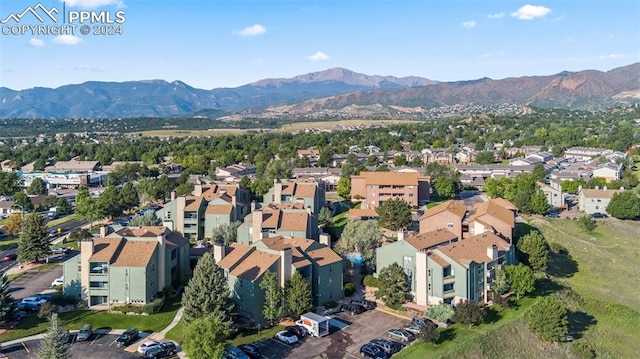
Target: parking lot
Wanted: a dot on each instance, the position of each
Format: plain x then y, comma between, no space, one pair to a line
344,342
99,346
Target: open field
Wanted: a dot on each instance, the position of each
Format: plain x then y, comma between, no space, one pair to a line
195,133
300,126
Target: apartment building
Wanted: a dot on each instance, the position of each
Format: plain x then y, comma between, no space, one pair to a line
373,188
307,192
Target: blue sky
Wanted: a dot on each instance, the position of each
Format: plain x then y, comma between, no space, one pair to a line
226,43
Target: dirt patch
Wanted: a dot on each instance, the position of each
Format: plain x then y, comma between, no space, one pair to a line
340,341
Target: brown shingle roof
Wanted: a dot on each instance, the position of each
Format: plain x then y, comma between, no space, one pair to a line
473,249
455,207
193,203
390,178
135,254
297,258
436,258
492,209
219,209
293,221
324,256
254,265
104,249
504,203
234,254
359,212
176,240
600,193
431,239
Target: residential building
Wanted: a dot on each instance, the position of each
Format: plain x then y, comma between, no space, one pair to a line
245,265
609,171
128,266
592,201
306,192
74,165
448,215
290,220
437,155
373,188
492,216
554,194
236,171
209,206
585,153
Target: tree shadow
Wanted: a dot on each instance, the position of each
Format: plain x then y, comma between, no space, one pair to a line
579,322
491,315
546,286
446,334
522,229
561,264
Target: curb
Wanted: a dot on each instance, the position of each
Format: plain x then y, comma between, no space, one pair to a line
393,314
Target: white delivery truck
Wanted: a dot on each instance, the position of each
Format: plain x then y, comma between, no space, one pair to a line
315,324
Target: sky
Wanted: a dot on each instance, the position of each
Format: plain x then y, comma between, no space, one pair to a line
225,43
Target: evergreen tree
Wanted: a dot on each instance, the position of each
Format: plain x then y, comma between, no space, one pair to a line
109,202
548,319
587,223
469,313
539,203
207,293
394,286
429,332
34,243
7,303
521,279
539,173
54,345
298,295
324,216
163,188
148,218
205,338
128,197
272,308
226,233
394,214
535,251
37,186
63,206
184,188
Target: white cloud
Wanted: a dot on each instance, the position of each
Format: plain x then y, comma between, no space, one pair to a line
92,4
253,30
67,40
469,24
530,12
613,56
499,15
36,42
318,56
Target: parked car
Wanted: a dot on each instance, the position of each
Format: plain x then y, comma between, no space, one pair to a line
161,350
147,345
60,250
64,338
251,350
10,257
286,337
43,296
84,333
58,281
352,308
32,302
599,215
386,346
297,330
371,351
400,334
417,321
366,304
413,329
552,215
234,352
128,337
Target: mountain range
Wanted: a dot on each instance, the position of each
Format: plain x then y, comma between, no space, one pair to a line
331,89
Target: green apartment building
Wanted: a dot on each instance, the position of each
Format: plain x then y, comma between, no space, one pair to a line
270,221
308,193
130,265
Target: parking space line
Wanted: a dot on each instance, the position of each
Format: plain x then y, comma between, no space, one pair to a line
113,342
25,347
281,343
96,338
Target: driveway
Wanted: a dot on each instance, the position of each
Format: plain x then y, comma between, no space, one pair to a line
99,347
34,282
471,198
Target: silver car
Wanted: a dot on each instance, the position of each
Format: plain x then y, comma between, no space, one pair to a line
400,334
84,333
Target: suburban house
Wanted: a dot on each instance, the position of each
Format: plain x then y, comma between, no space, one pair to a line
290,220
373,188
443,269
437,155
127,266
554,194
245,265
596,200
306,192
209,207
6,208
609,171
236,171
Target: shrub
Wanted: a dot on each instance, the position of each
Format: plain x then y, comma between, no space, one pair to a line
349,289
47,309
63,299
397,307
149,308
583,350
330,304
370,281
441,312
557,248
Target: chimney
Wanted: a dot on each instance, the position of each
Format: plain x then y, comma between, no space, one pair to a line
605,188
257,225
285,266
277,191
104,230
162,256
234,200
197,190
173,195
309,211
400,235
253,206
219,251
492,252
325,239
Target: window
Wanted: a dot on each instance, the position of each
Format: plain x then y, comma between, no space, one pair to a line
168,215
447,287
407,261
446,272
449,225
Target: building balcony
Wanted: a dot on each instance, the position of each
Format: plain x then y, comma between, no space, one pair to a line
449,293
448,279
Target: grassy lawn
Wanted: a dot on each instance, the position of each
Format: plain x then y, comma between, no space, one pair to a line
61,220
256,337
75,319
339,220
176,333
8,242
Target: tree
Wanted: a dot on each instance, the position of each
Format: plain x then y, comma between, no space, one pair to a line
7,303
163,187
62,206
484,157
226,233
548,319
278,169
372,160
20,199
184,188
539,203
324,216
501,282
86,207
37,186
128,197
205,338
492,188
429,332
442,312
587,224
400,160
207,293
79,235
535,251
444,187
394,285
54,345
148,218
521,278
539,173
272,307
344,188
33,243
624,205
14,224
469,313
146,189
108,203
394,214
298,295
362,237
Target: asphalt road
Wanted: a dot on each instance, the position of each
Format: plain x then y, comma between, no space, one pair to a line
98,347
34,282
